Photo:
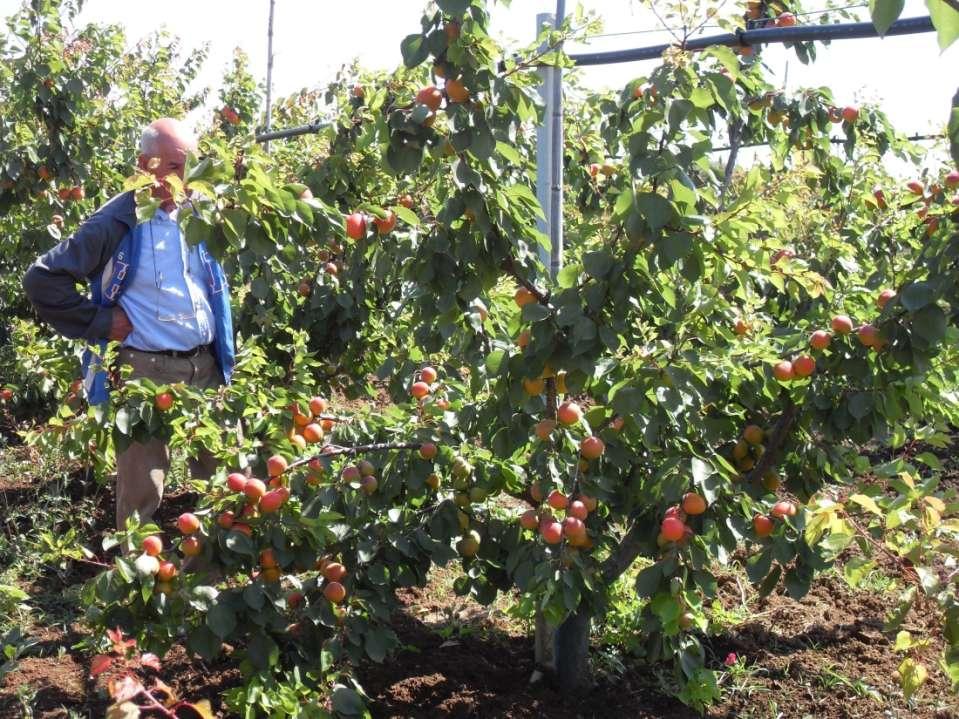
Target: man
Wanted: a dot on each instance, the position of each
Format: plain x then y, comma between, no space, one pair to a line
166,303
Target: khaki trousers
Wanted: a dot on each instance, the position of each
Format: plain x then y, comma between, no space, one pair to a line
142,468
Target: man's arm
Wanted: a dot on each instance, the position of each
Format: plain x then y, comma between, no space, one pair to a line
50,283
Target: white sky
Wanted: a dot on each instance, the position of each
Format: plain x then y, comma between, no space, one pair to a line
907,75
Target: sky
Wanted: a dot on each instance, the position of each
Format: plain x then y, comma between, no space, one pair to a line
908,76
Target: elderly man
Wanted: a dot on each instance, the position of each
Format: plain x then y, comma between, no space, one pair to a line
166,303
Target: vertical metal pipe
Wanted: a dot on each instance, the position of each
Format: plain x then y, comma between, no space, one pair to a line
544,145
556,173
269,74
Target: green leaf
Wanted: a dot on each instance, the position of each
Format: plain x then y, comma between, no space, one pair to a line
494,361
930,324
946,21
884,13
568,276
867,503
414,50
122,420
407,216
916,295
347,701
701,470
861,404
856,569
221,620
535,312
456,8
509,153
624,203
898,615
656,209
239,543
204,642
598,264
757,566
376,644
647,581
262,651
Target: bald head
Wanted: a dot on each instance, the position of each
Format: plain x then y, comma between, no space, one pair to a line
166,133
164,146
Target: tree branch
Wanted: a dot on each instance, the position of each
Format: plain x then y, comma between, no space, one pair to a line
626,552
508,265
773,448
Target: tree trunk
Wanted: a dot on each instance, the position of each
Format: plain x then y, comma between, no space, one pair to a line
572,652
544,648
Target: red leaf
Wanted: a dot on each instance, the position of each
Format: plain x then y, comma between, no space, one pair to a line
100,663
120,644
150,660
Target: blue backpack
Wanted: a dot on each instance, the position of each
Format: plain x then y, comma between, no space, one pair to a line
106,291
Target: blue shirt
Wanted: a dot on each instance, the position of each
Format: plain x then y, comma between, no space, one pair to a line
167,302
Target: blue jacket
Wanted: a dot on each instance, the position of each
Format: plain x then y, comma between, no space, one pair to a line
101,252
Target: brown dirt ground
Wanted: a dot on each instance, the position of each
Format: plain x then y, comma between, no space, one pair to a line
805,658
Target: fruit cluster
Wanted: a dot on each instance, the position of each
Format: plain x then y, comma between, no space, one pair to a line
552,528
674,529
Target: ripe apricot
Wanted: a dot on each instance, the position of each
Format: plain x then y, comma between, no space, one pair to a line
569,412
152,545
190,546
842,325
334,571
672,529
254,489
804,366
335,592
188,523
693,503
592,448
783,371
419,390
762,525
313,433
557,500
166,572
783,509
523,297
819,340
552,532
753,434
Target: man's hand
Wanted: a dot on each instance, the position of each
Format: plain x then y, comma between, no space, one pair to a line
120,325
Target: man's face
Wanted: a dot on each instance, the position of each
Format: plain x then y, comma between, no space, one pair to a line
168,159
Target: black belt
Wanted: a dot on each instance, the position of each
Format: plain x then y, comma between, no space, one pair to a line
181,354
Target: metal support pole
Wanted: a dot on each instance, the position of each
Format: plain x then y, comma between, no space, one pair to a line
291,132
544,144
269,75
556,161
762,36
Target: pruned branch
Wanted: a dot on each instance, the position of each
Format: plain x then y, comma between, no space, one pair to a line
333,450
